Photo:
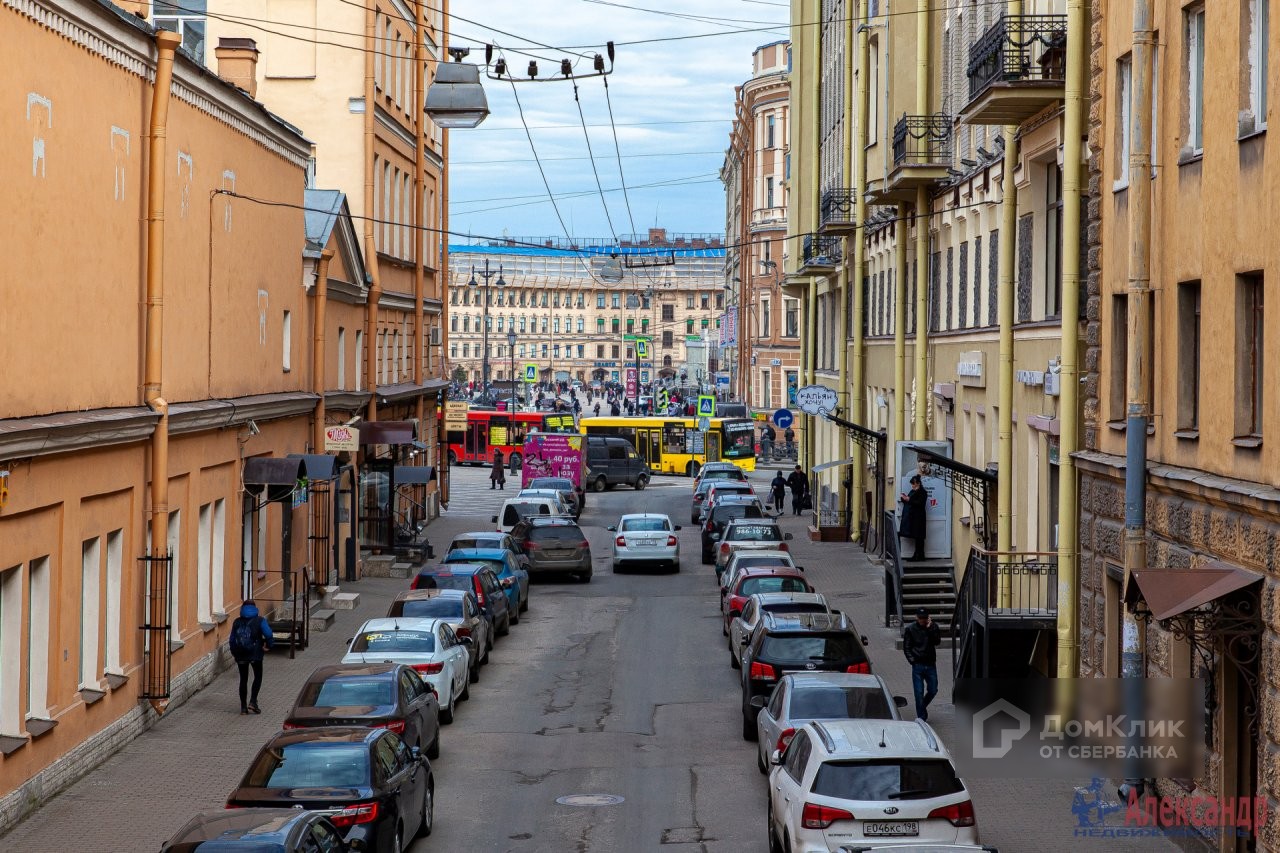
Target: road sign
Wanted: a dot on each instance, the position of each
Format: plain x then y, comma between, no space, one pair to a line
704,424
816,399
783,418
531,373
455,415
642,349
706,406
722,380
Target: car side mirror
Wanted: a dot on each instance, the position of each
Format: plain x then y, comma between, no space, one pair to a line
787,537
865,641
775,757
900,701
757,702
612,528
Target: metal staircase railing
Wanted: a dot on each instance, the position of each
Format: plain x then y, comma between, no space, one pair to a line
962,615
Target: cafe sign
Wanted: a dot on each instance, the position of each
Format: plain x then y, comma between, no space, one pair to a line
455,415
341,438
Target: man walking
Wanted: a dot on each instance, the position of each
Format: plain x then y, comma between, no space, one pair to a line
799,484
920,641
778,491
498,476
250,638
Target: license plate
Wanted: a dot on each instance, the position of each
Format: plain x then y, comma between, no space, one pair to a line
891,827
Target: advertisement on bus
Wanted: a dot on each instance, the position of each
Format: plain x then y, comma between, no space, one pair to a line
554,455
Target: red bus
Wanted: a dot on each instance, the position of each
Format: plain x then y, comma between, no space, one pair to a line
488,431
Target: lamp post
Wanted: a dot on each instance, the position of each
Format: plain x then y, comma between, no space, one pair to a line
487,274
511,351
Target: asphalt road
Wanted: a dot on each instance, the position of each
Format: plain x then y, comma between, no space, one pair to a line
617,688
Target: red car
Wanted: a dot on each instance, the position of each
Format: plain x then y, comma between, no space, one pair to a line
754,580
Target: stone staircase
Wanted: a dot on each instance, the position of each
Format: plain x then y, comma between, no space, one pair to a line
930,584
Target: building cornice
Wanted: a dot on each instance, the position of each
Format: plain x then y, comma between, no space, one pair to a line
201,415
68,431
346,401
1190,482
385,119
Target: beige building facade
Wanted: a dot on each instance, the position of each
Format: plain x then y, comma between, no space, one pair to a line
766,361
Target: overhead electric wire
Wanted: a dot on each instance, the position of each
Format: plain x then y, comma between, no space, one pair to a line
618,150
708,19
586,134
542,200
579,193
453,162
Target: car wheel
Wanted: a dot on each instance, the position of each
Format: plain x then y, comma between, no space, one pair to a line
506,626
453,458
585,577
488,647
474,675
524,605
641,482
733,659
515,617
600,484
773,831
517,461
446,713
428,811
692,469
675,566
707,559
617,568
466,689
724,625
748,727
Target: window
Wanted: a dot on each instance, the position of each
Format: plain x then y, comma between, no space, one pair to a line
706,301
1253,116
1249,360
522,322
111,634
668,313
1053,240
556,325
599,300
359,361
466,350
631,326
1119,357
644,324
630,354
1194,57
1124,107
453,350
175,573
615,325
544,325
90,587
791,318
688,326
187,19
688,302
764,318
599,350
342,356
719,299
615,350
544,350
1188,355
582,351
555,350
768,136
287,335
522,298
38,629
768,192
555,300
667,340
616,300
11,651
466,323
582,325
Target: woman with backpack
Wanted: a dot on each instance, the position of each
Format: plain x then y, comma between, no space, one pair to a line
250,638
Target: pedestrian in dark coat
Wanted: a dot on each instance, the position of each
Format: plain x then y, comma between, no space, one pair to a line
799,484
778,491
920,641
913,516
250,639
498,476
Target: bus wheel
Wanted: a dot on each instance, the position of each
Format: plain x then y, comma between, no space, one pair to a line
692,469
453,458
516,462
600,484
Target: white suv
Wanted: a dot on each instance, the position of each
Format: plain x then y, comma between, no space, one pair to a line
845,783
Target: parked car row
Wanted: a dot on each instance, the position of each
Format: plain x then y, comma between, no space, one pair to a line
351,769
845,772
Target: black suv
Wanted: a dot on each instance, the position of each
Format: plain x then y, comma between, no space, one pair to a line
719,520
797,642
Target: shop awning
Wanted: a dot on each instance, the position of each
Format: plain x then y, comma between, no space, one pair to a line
414,475
279,476
386,432
1172,592
320,466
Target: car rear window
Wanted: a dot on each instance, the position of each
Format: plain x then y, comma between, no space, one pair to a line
446,582
756,532
726,512
562,532
803,648
311,765
462,542
887,779
514,512
724,474
553,483
772,583
745,562
839,703
433,608
339,692
377,642
641,524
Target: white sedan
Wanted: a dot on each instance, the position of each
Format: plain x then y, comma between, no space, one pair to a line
646,538
429,646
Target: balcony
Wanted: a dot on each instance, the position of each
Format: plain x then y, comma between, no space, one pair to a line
921,154
1016,69
1006,600
836,212
821,255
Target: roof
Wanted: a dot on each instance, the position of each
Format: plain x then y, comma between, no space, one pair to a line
862,739
802,680
645,515
400,623
771,554
324,209
767,598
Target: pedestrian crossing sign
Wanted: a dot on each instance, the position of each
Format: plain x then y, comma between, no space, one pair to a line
642,348
706,406
531,372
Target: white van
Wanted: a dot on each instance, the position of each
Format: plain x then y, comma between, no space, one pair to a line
513,509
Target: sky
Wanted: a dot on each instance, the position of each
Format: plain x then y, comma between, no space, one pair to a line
672,104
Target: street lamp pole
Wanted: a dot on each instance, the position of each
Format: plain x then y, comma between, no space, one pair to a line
487,274
511,351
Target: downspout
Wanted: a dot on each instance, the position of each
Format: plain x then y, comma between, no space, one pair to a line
153,367
420,182
811,336
370,241
853,380
815,192
1069,399
317,349
900,230
442,278
1138,369
1005,296
921,431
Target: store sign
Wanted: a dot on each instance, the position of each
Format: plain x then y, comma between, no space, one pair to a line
816,399
341,438
455,415
970,371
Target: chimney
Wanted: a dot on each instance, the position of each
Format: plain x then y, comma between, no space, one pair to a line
657,236
238,63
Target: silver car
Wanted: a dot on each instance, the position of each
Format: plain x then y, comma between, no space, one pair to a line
646,538
802,697
720,489
740,627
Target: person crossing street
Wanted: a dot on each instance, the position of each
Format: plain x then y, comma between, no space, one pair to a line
799,484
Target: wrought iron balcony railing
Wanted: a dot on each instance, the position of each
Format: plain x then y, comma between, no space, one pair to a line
836,208
821,251
922,140
1019,49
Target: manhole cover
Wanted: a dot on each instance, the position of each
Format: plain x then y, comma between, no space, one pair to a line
589,800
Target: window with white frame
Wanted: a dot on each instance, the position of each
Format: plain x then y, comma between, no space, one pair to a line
359,360
287,341
217,560
204,564
1254,113
1124,118
11,651
1193,55
187,19
175,574
342,358
38,630
111,660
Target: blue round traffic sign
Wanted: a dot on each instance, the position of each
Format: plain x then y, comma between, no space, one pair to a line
783,418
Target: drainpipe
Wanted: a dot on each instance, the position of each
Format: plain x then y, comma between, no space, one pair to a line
370,242
153,367
419,182
922,233
442,279
1138,369
317,348
854,275
811,367
900,230
1069,401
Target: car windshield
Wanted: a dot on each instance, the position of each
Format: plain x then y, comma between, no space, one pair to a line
311,765
830,702
636,524
462,542
377,642
341,692
436,608
755,532
445,582
772,583
564,532
724,474
887,779
810,647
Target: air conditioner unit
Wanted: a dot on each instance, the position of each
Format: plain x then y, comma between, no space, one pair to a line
435,336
